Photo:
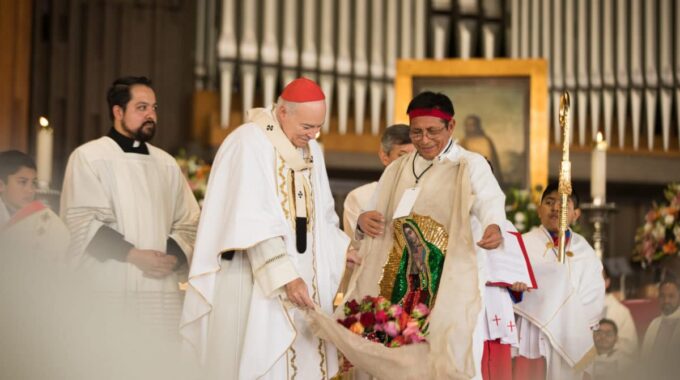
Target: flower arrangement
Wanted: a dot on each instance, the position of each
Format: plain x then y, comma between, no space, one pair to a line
659,236
520,209
378,320
196,172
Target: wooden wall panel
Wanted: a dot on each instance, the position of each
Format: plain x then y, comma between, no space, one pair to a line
84,45
15,50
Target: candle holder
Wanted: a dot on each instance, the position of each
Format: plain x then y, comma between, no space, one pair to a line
597,214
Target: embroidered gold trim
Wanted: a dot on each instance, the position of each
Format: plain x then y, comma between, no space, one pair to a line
432,231
269,261
283,187
292,362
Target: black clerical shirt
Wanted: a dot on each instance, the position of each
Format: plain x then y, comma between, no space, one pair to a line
109,244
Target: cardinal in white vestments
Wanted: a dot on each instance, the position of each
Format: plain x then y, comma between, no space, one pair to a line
555,321
130,211
268,248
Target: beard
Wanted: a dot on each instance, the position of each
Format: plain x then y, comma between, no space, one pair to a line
144,133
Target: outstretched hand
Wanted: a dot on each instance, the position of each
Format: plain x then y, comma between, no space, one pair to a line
492,237
297,293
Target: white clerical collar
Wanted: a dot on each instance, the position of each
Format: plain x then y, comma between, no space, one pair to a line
446,150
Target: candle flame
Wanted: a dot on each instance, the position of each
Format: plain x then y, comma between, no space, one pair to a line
599,138
43,122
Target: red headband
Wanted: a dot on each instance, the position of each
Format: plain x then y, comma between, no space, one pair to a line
430,112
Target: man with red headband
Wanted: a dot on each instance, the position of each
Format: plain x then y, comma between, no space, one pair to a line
441,190
268,247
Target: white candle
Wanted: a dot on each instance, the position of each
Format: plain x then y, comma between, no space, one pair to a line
44,153
598,171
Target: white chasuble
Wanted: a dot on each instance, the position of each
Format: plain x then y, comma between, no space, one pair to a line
555,320
233,318
147,200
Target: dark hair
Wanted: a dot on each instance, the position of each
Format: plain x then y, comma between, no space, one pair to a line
119,92
429,99
670,280
11,161
554,186
397,134
612,323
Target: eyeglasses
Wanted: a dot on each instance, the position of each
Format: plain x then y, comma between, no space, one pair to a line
429,132
608,334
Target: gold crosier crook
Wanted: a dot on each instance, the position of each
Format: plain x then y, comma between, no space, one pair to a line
565,175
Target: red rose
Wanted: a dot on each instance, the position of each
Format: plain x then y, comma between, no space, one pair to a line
367,319
351,307
398,341
347,322
381,316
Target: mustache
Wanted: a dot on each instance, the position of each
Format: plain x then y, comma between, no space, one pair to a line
149,122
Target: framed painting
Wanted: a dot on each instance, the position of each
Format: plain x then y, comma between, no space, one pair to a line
501,110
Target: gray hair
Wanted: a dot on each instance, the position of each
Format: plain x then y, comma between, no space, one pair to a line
397,134
289,106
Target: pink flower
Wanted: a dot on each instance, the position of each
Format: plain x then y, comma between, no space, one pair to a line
395,311
420,311
391,328
411,329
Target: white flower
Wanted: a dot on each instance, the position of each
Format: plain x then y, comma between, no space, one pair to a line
531,206
659,232
520,227
520,218
669,219
647,228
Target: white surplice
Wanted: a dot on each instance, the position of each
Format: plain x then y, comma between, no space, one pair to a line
555,320
143,197
234,318
356,202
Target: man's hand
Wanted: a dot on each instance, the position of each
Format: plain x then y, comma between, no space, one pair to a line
372,223
353,258
297,293
492,237
154,264
519,287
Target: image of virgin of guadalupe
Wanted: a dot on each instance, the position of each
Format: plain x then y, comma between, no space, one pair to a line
419,271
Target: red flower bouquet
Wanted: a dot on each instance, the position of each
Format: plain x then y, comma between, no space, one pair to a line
378,320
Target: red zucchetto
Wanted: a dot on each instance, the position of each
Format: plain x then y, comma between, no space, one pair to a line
302,90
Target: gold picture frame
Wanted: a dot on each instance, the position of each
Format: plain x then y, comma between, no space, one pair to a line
475,83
